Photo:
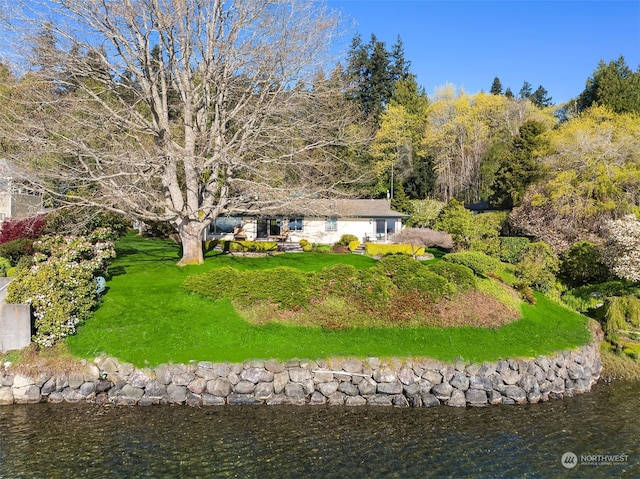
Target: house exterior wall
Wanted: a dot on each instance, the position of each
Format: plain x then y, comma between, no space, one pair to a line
19,205
314,230
25,205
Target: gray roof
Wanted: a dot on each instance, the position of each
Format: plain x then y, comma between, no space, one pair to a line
341,208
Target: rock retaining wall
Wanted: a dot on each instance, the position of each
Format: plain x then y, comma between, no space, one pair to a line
402,383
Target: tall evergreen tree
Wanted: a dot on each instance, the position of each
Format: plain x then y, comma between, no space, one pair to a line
400,66
525,91
496,87
373,71
519,168
540,97
613,85
508,93
400,201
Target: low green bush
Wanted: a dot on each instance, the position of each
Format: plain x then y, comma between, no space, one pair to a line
479,263
250,246
216,284
586,298
460,275
432,286
489,246
287,287
321,248
335,280
582,264
382,249
525,291
538,266
399,269
372,291
346,239
209,245
16,249
5,265
621,313
511,248
306,245
407,274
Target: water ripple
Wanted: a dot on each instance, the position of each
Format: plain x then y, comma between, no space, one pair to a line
86,441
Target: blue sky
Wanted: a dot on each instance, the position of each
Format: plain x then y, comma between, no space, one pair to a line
556,44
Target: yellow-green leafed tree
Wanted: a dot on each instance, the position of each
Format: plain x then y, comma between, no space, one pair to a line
593,174
397,145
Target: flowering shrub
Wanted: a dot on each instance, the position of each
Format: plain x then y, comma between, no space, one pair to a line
60,286
622,252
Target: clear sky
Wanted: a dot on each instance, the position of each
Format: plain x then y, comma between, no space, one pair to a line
556,44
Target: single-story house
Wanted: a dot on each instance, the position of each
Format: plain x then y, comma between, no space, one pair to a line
16,201
321,221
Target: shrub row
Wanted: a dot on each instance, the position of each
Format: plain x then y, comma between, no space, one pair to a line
240,246
370,290
381,249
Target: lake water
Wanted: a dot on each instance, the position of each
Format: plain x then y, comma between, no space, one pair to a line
88,441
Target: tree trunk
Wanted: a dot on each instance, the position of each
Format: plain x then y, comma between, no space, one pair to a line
191,236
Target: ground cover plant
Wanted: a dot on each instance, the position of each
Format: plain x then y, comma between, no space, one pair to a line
146,318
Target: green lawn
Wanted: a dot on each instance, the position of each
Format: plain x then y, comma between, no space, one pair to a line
147,319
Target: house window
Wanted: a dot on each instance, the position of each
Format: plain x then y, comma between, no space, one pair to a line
391,226
331,224
295,224
380,229
225,224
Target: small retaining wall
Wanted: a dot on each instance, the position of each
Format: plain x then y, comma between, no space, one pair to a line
372,381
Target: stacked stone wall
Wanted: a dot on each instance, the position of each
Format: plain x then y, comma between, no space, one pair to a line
373,381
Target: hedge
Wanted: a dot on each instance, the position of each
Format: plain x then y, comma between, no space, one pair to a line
381,249
250,246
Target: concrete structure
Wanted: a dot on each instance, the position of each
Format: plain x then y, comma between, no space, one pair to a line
15,326
15,322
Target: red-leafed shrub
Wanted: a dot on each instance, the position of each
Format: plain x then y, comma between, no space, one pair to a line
27,228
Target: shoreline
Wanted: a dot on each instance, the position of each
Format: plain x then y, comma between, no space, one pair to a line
407,382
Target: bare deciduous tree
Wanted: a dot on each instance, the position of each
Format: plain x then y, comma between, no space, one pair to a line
183,110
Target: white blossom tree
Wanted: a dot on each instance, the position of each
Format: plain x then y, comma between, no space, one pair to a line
622,249
181,110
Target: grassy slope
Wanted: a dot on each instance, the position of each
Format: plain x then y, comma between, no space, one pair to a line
146,318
